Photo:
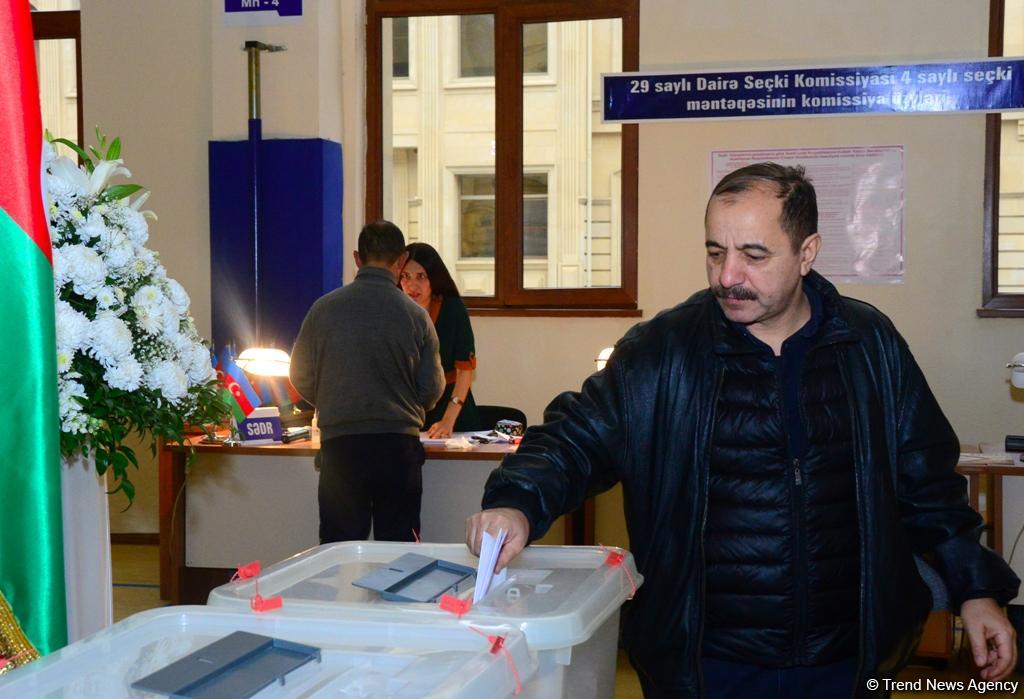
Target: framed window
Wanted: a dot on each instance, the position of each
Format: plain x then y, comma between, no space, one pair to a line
529,198
57,29
1003,259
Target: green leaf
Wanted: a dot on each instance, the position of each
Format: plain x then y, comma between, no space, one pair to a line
86,160
114,152
120,191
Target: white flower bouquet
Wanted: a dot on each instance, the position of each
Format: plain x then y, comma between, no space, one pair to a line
129,358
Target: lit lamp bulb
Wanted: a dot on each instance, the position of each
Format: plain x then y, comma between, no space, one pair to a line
602,357
1016,368
264,361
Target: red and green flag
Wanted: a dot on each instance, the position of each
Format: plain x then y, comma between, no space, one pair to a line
31,542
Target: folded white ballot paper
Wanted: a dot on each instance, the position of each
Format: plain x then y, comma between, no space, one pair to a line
486,578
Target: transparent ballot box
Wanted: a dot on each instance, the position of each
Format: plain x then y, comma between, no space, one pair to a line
565,599
369,660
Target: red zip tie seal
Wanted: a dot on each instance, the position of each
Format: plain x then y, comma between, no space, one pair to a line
498,646
615,560
456,606
256,602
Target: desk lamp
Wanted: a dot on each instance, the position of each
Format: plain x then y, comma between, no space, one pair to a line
602,357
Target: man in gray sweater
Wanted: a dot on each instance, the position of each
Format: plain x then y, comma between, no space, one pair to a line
367,358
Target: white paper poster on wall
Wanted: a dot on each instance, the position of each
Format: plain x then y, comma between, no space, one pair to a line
860,205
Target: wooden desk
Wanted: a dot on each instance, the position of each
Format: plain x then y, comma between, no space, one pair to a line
984,475
183,584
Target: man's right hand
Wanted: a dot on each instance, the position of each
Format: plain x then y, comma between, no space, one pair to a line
515,524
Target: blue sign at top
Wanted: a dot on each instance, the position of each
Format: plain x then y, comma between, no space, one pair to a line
988,85
284,8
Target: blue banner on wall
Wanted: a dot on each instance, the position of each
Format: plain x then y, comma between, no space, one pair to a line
988,85
284,8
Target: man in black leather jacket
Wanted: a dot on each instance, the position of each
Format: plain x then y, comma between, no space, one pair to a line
782,461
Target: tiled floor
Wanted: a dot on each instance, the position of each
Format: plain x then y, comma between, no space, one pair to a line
137,588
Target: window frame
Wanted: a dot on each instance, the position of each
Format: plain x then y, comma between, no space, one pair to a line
993,303
48,25
510,297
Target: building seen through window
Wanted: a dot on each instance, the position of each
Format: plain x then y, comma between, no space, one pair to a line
1011,168
443,110
56,27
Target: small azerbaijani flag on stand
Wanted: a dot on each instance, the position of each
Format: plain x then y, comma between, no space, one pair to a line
236,390
32,599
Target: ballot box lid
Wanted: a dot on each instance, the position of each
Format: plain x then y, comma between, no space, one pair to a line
557,595
356,658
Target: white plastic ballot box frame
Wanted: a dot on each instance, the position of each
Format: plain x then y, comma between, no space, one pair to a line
565,599
378,659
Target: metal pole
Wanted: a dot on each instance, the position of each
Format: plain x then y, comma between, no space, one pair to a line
253,48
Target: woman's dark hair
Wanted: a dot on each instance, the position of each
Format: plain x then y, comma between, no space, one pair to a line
441,282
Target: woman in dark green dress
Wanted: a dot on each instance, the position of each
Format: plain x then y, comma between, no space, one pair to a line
427,282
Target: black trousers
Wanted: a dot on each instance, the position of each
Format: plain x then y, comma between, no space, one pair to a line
368,478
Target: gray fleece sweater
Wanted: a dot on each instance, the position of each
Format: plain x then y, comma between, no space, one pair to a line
367,358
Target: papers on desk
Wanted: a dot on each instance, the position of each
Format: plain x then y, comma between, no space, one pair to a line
994,454
486,578
458,440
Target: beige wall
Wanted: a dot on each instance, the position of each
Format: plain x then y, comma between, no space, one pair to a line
145,72
148,69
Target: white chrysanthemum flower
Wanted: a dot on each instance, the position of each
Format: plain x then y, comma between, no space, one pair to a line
107,297
120,255
60,267
149,296
168,378
150,318
181,342
172,319
126,375
94,227
64,359
67,391
178,296
144,263
199,362
111,340
84,268
135,225
72,327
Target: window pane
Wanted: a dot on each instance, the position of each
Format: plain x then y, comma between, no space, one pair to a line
58,89
535,215
400,47
572,222
438,148
476,215
1010,279
476,46
535,48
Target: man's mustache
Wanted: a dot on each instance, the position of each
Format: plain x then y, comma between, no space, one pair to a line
737,292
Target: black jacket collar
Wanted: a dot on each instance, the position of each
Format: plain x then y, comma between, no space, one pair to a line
834,327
